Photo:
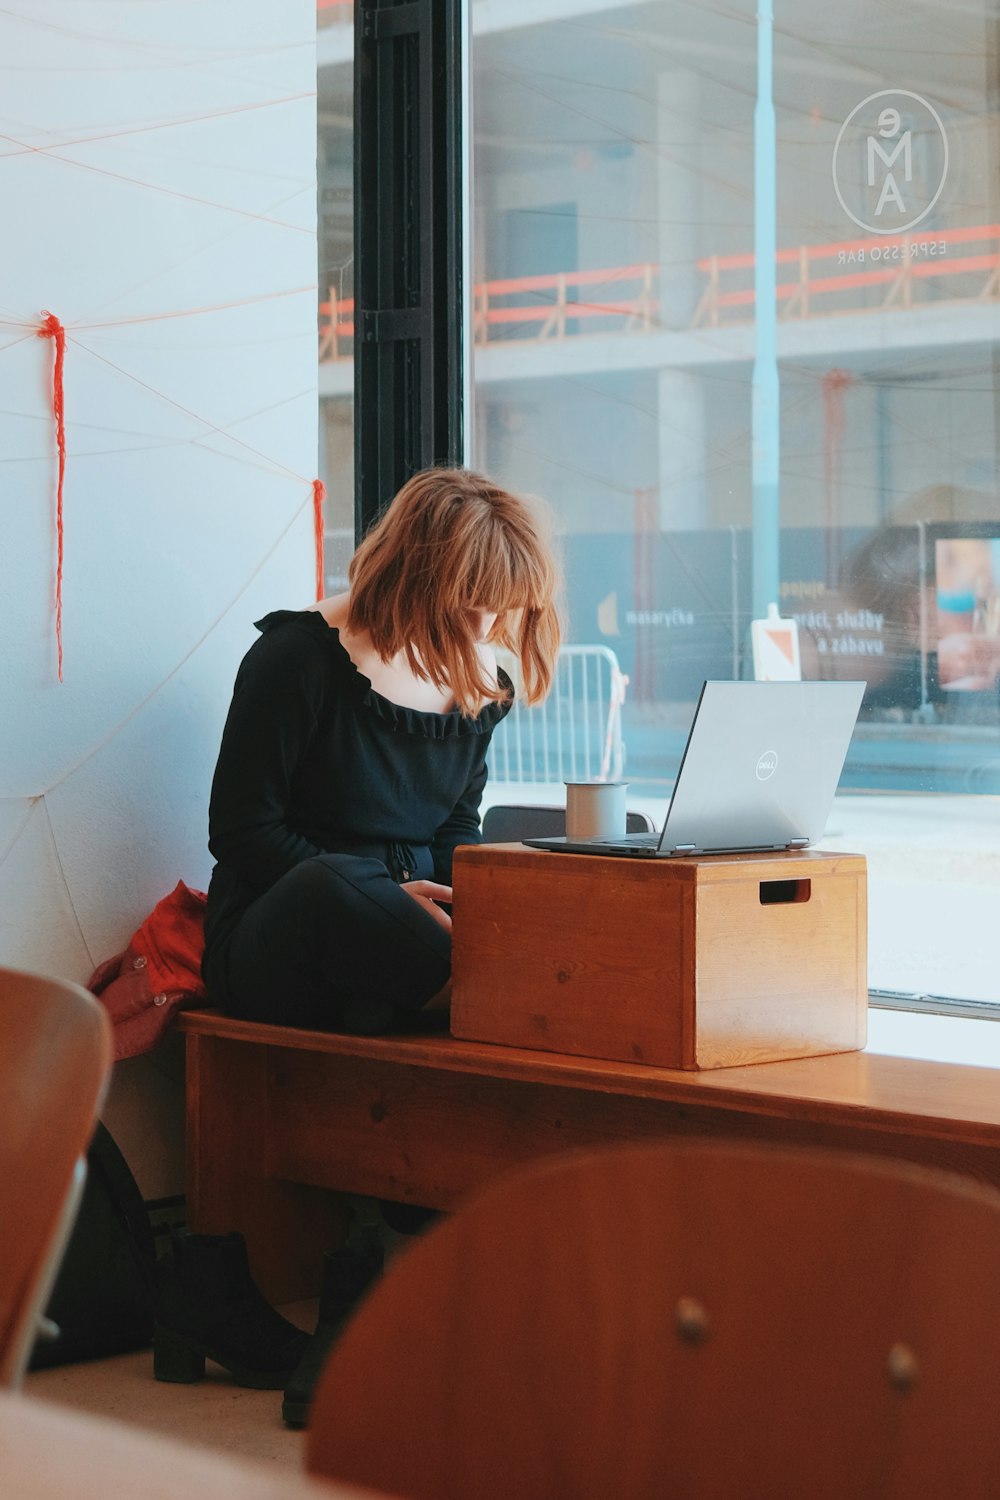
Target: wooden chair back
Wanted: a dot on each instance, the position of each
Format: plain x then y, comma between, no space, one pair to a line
690,1320
55,1061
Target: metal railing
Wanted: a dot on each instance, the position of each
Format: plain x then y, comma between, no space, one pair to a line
900,271
576,734
898,264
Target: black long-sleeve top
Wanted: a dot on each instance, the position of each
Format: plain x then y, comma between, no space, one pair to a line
314,760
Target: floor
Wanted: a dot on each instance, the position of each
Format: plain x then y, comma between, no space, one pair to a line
215,1413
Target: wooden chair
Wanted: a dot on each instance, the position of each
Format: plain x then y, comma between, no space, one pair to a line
509,822
55,1061
702,1321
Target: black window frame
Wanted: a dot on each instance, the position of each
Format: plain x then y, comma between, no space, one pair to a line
408,245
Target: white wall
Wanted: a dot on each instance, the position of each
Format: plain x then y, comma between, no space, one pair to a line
156,160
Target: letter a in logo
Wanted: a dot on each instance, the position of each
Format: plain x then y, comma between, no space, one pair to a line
888,124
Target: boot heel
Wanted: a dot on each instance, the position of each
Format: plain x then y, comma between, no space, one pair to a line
175,1359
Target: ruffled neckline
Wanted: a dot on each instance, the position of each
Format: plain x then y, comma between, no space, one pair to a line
406,720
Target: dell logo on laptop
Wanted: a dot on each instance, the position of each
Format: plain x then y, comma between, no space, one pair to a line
767,765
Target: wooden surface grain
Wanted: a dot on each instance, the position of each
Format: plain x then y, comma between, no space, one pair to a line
706,1321
682,963
278,1117
934,1098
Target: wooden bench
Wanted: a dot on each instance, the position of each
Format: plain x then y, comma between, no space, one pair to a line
276,1117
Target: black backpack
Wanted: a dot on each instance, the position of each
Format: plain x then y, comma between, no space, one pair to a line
103,1297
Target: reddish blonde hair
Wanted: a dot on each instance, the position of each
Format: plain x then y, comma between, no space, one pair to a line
453,541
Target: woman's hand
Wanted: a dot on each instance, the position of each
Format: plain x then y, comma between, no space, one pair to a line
429,893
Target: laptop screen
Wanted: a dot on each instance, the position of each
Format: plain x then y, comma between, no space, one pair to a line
761,765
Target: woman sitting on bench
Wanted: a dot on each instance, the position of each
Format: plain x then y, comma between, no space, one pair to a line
354,759
352,764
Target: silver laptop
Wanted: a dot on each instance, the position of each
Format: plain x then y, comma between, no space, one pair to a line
759,772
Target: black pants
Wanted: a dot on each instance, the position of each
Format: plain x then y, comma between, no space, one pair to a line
336,944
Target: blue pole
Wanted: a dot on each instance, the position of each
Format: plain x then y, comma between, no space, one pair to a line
765,408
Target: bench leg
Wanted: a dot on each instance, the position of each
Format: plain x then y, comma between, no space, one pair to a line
287,1226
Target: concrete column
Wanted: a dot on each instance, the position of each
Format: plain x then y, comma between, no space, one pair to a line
680,395
682,439
678,144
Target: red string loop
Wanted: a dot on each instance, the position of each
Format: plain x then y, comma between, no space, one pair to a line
52,329
319,495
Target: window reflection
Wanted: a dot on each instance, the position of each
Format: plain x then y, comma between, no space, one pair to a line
335,210
614,325
613,321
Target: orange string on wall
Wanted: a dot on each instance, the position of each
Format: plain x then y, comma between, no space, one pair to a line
52,329
319,495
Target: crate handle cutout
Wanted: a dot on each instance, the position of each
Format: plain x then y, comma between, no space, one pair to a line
784,892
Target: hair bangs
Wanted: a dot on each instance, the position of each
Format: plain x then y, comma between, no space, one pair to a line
452,542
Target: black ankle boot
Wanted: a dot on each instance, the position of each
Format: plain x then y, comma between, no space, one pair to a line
347,1275
210,1307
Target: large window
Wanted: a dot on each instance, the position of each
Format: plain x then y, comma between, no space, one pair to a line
335,183
619,178
620,171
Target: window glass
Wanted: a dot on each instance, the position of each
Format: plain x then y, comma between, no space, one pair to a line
618,180
335,207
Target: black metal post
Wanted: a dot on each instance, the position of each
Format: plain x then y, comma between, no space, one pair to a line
407,245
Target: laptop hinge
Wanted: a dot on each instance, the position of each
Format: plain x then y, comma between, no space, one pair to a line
685,848
798,844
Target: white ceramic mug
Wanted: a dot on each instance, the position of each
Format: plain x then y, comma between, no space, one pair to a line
595,809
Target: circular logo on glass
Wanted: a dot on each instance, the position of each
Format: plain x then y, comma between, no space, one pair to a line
767,765
890,161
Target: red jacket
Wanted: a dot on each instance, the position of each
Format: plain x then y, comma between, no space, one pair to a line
158,974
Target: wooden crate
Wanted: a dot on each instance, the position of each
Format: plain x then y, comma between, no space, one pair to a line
707,962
